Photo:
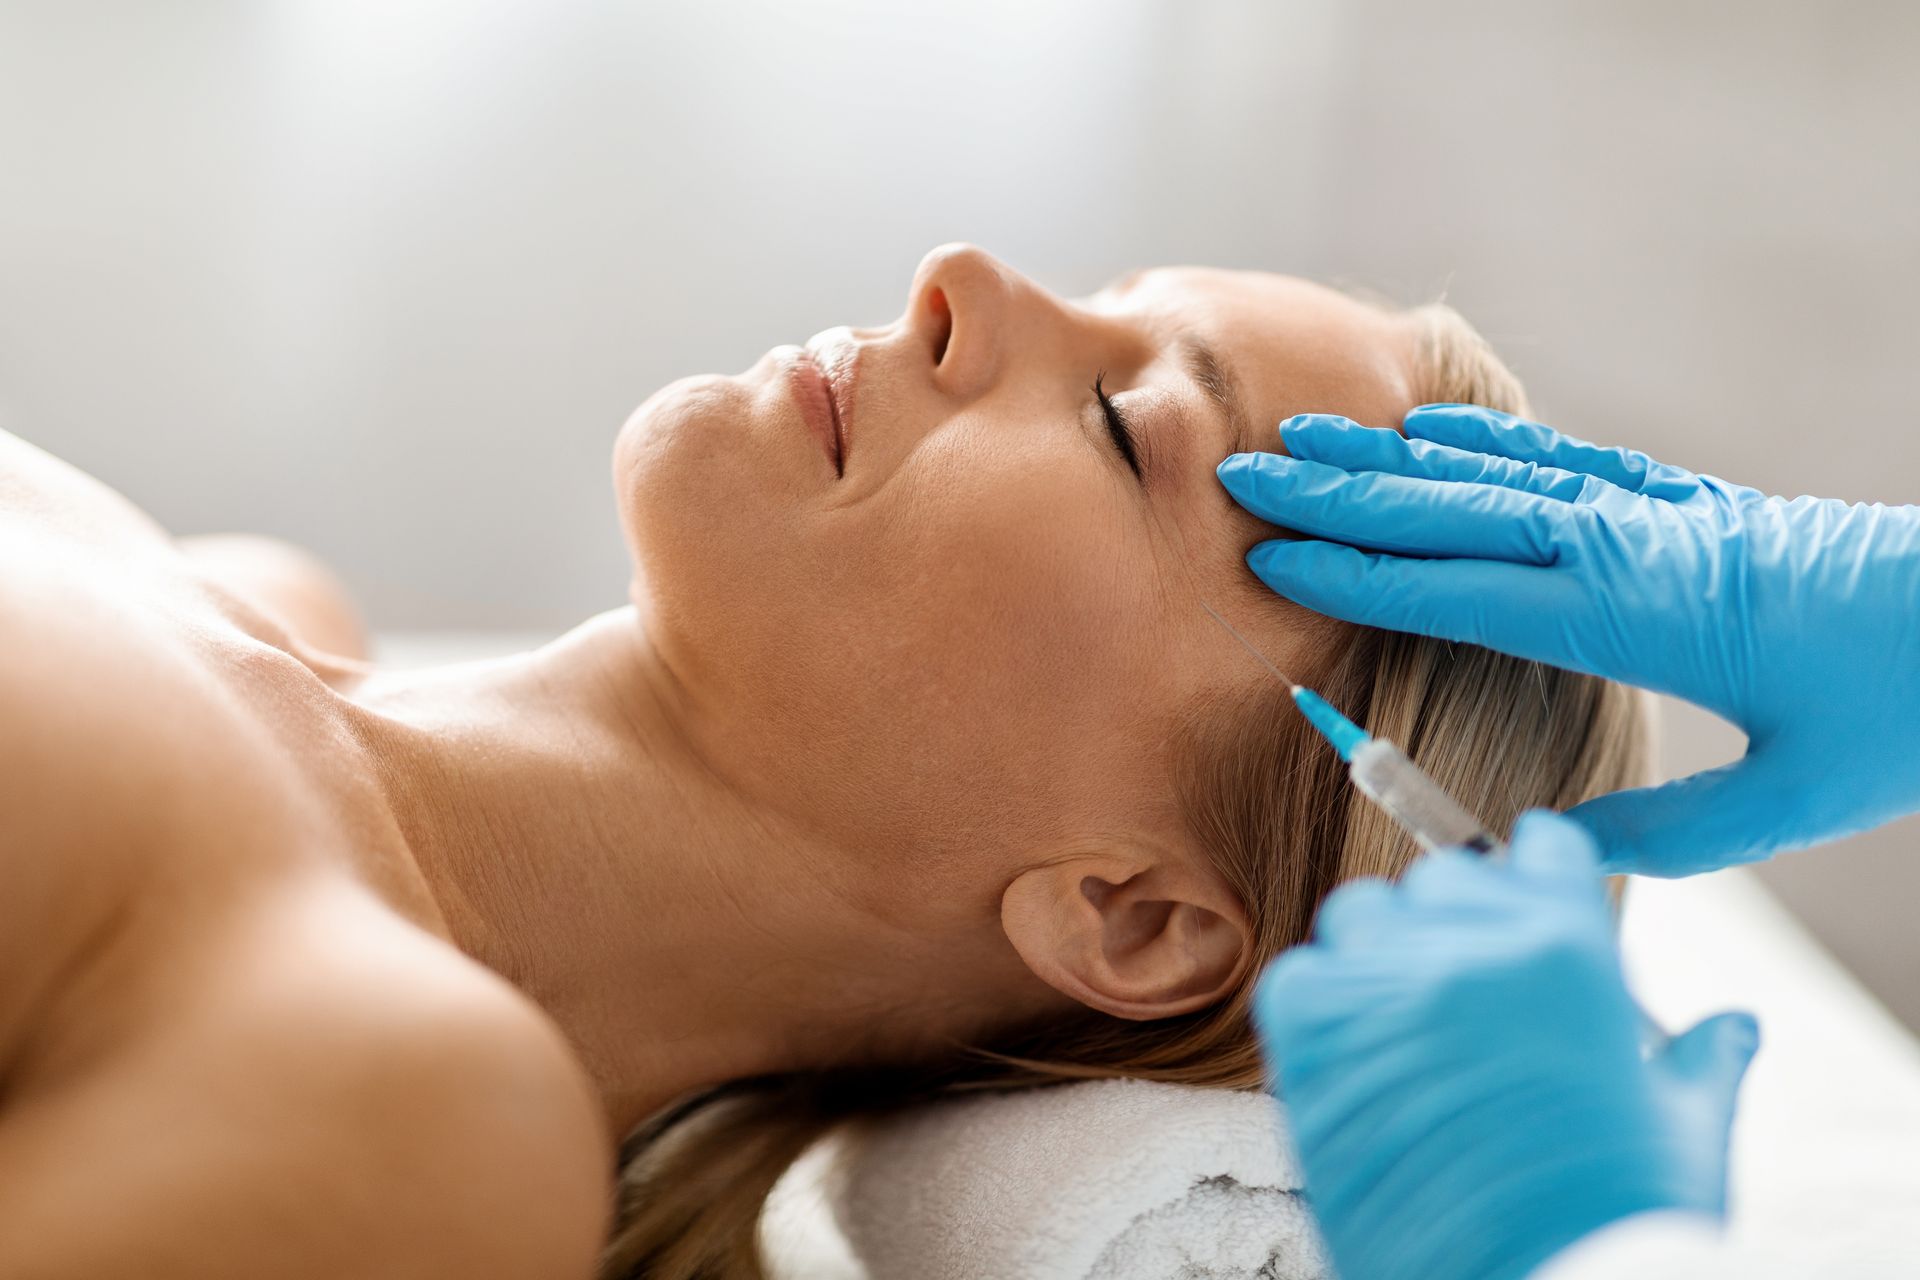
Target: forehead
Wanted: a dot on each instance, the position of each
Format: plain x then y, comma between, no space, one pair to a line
1296,346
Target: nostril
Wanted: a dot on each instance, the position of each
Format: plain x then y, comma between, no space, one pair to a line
943,319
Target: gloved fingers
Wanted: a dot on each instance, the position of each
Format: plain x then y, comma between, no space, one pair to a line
1289,1000
1386,512
1703,1069
1549,847
1356,914
1480,430
1450,877
1354,1107
1524,610
1341,442
1317,1009
1715,1049
1715,818
1316,985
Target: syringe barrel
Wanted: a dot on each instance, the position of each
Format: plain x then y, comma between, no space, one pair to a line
1415,801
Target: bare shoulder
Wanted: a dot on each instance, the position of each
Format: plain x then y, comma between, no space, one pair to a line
219,1056
320,1091
109,738
288,581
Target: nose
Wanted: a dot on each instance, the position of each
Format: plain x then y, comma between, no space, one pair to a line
959,308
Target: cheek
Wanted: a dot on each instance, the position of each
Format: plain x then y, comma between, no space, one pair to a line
960,649
1005,648
1016,581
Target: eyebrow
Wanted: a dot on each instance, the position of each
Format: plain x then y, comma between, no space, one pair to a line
1211,373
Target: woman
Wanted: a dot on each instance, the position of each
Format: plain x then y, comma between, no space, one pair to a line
913,764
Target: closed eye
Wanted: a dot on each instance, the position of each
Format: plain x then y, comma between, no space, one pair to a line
1118,426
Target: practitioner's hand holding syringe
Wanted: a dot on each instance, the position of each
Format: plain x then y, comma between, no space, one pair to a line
1798,621
1463,1070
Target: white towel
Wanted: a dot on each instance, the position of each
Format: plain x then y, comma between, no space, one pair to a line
1102,1180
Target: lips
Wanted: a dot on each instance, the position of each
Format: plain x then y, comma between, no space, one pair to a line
839,363
813,392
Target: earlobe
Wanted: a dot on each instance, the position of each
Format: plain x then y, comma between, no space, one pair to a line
1135,934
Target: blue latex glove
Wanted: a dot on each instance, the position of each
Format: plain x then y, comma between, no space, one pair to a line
1459,1060
1797,621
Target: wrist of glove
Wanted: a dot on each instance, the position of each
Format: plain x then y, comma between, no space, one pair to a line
1459,1060
1795,620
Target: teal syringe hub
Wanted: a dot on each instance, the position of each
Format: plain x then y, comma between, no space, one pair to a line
1344,734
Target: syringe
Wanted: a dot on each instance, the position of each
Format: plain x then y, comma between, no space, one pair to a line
1404,792
1399,786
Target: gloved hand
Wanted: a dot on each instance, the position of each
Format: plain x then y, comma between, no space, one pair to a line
1798,621
1459,1059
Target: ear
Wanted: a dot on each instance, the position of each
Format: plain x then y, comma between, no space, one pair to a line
1137,934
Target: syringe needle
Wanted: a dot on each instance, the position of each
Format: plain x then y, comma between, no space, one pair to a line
1246,644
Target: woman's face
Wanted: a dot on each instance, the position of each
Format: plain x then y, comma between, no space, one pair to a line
968,639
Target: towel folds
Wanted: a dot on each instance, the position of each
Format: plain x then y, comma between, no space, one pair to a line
1101,1180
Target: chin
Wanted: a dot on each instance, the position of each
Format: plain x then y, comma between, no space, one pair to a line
682,465
687,414
710,516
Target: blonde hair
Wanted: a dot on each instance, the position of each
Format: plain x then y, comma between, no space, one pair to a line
1269,803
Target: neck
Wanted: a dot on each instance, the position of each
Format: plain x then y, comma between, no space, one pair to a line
572,838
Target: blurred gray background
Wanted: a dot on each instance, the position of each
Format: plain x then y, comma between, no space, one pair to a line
384,277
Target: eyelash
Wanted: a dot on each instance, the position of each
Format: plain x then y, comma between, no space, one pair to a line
1117,424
